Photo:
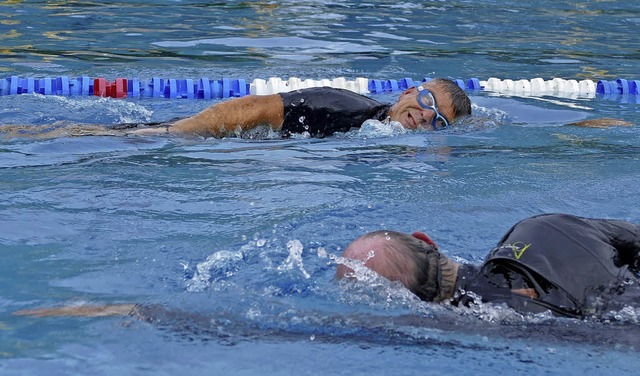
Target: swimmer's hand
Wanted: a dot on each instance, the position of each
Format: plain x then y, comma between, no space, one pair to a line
530,293
81,311
602,123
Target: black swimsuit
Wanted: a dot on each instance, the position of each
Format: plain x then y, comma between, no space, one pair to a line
323,111
577,266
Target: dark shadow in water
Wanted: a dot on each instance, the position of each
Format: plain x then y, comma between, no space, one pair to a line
449,330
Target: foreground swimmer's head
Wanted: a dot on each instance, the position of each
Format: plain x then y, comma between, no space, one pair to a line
413,260
432,105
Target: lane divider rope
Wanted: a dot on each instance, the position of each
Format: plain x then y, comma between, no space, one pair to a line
205,88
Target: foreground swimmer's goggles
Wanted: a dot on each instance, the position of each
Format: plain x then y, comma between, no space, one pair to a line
428,102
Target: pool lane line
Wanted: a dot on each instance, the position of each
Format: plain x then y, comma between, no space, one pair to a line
205,88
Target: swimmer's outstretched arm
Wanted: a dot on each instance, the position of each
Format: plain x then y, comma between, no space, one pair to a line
602,123
82,311
227,118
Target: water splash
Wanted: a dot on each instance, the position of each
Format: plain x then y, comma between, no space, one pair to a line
626,315
33,110
216,267
295,258
364,286
377,129
483,118
322,253
107,109
261,132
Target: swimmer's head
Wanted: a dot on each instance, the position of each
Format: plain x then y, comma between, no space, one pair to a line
451,102
459,99
412,260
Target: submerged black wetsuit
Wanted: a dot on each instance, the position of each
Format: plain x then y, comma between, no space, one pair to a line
323,111
577,266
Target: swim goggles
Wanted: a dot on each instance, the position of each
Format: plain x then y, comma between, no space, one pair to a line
428,102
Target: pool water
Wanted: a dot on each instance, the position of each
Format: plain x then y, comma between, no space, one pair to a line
237,238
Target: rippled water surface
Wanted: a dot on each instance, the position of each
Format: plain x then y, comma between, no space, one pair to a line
212,230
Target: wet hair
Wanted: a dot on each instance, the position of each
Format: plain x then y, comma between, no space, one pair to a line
460,100
400,257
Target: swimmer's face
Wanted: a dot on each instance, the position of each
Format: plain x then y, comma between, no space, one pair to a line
408,112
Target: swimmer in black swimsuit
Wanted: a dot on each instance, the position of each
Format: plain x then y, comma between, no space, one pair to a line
324,111
318,112
572,266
